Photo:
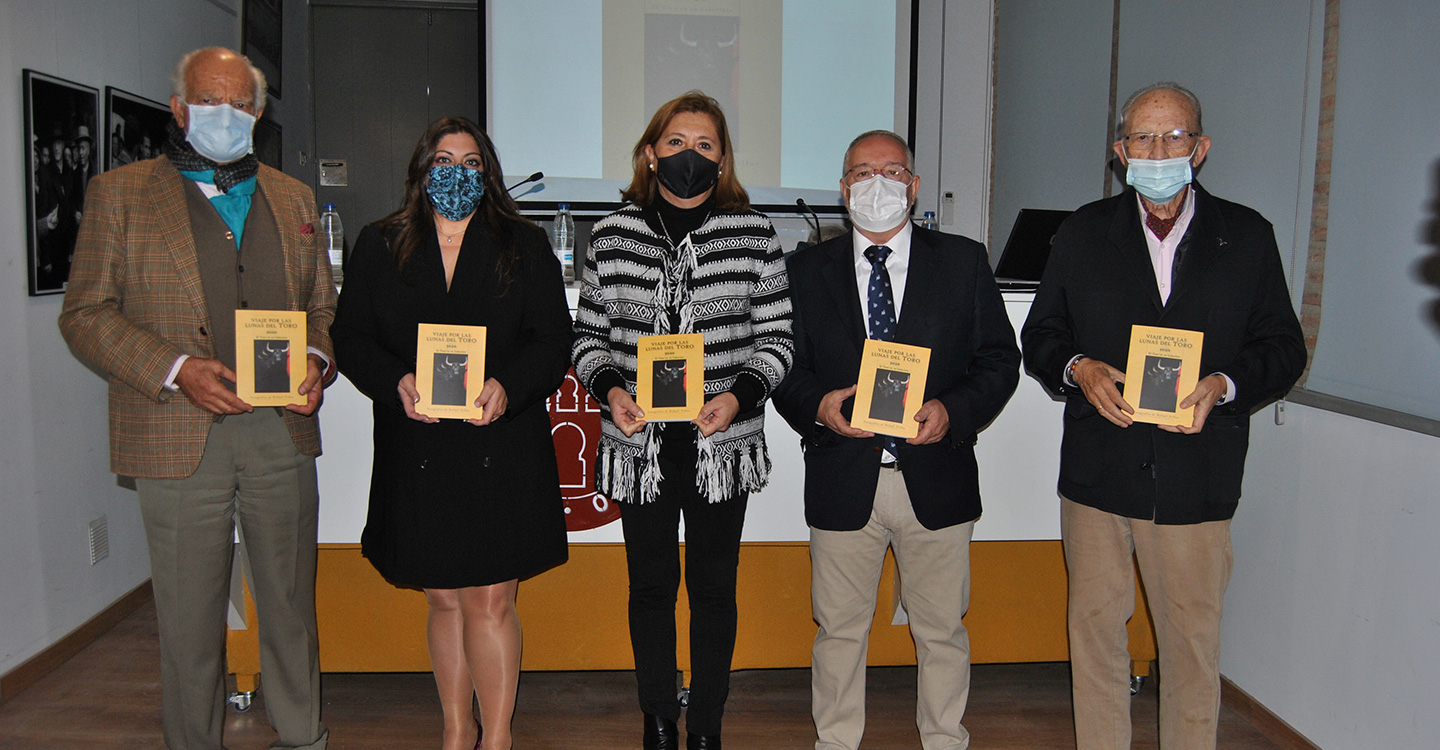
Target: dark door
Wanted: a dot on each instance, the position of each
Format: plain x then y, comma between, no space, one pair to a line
381,75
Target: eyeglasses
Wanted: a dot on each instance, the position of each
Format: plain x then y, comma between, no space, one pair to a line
1174,142
892,172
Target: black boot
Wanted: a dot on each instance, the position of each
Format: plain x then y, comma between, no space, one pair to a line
701,742
660,734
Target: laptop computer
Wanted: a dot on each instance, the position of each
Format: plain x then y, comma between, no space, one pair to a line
1023,260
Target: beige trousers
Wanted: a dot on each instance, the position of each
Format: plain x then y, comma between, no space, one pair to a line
252,477
935,589
1185,570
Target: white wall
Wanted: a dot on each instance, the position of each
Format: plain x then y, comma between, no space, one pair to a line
952,113
1383,261
1259,87
1052,100
54,451
1332,619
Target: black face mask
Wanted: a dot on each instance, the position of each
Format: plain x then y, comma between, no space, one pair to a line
687,174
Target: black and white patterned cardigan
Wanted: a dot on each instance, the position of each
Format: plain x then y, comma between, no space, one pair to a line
739,299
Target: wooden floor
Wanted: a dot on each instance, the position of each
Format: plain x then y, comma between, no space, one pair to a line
108,696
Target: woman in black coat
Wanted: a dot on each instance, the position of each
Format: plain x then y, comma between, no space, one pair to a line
460,508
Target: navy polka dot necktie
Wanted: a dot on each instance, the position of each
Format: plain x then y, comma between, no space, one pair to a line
881,309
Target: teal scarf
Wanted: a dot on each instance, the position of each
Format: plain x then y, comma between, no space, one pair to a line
233,205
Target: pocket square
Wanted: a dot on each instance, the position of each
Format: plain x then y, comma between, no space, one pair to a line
307,228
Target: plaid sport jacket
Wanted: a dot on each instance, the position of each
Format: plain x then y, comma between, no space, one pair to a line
134,303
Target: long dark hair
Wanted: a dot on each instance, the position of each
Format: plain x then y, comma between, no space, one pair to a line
729,196
406,228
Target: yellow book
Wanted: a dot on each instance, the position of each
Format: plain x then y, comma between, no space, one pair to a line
670,377
1163,368
269,356
891,388
450,370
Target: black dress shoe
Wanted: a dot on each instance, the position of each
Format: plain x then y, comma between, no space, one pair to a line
701,742
660,734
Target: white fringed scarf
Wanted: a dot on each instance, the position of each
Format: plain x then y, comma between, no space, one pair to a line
728,462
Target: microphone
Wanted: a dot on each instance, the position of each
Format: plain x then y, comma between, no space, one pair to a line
532,178
814,223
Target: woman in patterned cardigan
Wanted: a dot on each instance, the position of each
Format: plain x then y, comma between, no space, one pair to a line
687,255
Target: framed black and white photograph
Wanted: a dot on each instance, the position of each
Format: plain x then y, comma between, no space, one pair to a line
134,126
268,142
60,126
261,39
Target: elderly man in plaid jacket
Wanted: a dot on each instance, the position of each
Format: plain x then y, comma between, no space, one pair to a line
169,249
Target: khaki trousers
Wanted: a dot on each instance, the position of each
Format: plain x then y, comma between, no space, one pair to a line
1185,570
935,589
251,477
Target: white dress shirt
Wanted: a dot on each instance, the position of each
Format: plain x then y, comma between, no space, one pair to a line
897,265
1162,252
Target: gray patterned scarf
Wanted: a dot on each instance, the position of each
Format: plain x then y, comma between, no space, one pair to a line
187,159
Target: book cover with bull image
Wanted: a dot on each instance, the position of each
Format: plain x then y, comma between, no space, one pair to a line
891,388
269,356
670,377
450,370
1163,368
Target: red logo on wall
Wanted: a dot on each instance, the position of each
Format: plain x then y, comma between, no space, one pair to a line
575,428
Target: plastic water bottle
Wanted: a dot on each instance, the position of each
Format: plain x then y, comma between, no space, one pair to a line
929,221
332,233
565,243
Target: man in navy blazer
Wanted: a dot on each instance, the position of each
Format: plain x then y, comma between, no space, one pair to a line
864,492
1168,254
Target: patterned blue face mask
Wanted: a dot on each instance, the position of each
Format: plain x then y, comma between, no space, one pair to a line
455,190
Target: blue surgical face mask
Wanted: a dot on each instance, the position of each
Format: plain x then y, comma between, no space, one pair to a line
455,190
219,132
1159,179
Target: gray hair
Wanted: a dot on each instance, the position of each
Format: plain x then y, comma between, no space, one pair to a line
1160,86
909,155
177,76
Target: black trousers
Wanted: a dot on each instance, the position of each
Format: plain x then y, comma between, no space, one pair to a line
712,553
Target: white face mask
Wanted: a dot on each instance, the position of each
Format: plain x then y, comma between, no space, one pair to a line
878,204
